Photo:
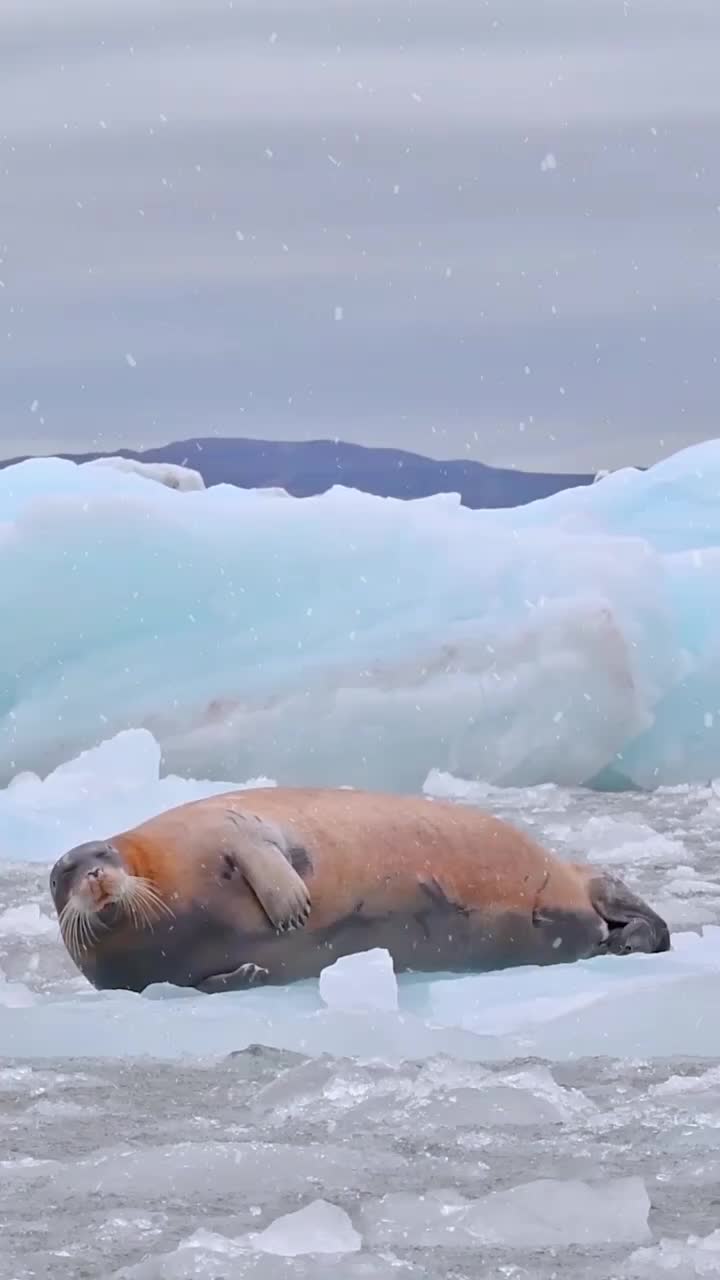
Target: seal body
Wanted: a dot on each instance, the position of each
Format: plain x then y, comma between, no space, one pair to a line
272,885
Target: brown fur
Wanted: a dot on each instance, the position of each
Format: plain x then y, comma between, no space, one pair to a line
378,849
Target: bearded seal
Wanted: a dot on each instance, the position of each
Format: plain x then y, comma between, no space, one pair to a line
272,885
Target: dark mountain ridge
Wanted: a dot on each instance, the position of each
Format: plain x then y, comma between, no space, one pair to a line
310,467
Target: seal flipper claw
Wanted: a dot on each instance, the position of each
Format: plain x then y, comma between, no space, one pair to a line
281,892
241,979
633,925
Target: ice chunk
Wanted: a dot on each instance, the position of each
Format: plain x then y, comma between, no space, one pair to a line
167,473
205,1254
693,886
544,1094
439,1095
683,1260
60,1110
445,786
14,995
540,1214
550,1212
26,922
107,788
403,1219
676,1085
655,1005
567,641
363,981
618,843
484,1108
318,1228
294,1091
182,1169
212,1256
119,1024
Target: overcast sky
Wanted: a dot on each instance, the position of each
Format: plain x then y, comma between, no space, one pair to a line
466,227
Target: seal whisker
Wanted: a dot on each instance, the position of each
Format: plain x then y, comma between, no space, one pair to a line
67,921
141,913
77,928
84,934
89,926
152,899
128,899
129,904
143,902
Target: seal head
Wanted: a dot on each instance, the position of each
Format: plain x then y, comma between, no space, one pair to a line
92,891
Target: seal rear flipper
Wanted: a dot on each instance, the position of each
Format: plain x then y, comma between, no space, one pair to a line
256,852
241,979
633,925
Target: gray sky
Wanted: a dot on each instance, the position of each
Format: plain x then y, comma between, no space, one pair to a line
483,228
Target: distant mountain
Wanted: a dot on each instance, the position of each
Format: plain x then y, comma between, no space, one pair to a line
313,466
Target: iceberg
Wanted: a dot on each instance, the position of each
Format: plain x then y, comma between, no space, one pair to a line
353,640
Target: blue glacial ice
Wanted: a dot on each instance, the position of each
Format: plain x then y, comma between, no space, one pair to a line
348,639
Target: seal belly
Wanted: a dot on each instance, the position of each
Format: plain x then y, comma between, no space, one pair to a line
182,953
428,942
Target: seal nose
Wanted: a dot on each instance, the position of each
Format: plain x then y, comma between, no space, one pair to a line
94,873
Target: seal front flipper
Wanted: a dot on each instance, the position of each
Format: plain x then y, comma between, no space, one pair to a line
633,925
248,975
260,853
